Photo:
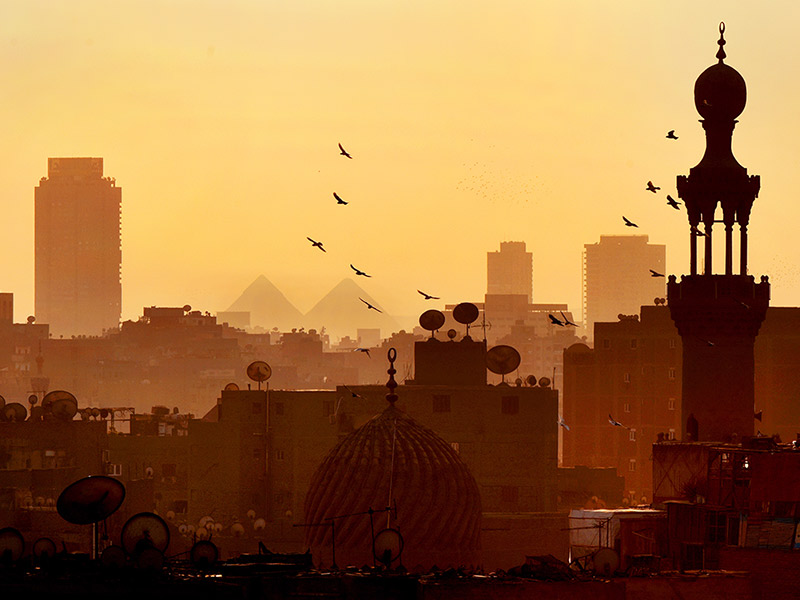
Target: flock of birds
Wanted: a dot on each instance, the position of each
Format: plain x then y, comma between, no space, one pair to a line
319,245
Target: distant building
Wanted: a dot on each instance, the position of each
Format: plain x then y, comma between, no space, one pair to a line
78,250
617,278
510,271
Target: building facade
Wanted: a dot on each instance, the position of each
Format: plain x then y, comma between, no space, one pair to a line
510,271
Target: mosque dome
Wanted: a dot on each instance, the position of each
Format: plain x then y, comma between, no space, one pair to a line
394,461
720,92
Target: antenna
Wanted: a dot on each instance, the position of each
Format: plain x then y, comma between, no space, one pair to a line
502,360
431,320
259,371
466,313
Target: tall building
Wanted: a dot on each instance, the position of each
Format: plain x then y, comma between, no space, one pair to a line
617,278
510,271
78,250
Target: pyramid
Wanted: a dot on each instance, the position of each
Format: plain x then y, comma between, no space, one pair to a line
268,307
342,313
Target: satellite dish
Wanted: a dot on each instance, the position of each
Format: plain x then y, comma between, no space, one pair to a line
204,521
187,307
202,533
170,515
431,320
145,531
12,545
44,547
544,382
466,313
14,412
452,333
57,396
148,472
387,546
64,409
31,320
259,524
259,371
251,514
531,380
113,557
150,559
90,499
237,529
502,360
32,399
605,561
203,554
518,382
231,387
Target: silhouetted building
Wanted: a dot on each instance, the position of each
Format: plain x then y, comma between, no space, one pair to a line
78,250
718,316
617,278
510,271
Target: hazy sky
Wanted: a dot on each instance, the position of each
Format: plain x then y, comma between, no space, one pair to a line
470,123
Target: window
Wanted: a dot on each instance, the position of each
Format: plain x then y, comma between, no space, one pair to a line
626,378
632,435
671,404
114,470
671,434
279,455
441,403
606,344
671,373
673,343
627,407
279,408
632,465
634,343
510,405
717,527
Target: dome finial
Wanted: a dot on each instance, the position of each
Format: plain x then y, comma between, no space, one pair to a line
721,52
391,384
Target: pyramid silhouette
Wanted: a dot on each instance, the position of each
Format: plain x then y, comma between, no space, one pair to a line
342,313
268,306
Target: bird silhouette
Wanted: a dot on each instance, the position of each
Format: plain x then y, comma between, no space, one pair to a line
338,199
616,423
629,223
352,393
655,273
428,296
555,321
566,320
343,152
369,305
563,423
316,244
747,306
364,350
359,272
673,203
671,135
697,232
652,188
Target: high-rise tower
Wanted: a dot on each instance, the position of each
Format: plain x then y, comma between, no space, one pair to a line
718,316
78,252
510,271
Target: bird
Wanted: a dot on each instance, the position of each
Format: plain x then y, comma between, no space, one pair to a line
344,152
629,223
555,321
673,203
369,305
359,272
364,350
428,296
616,423
655,273
697,232
338,199
563,423
352,393
652,188
747,306
316,244
566,320
671,135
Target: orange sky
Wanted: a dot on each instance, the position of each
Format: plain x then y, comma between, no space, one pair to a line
470,123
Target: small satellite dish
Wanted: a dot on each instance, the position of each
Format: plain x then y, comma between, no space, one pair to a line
203,554
113,557
145,531
387,546
251,514
231,387
14,412
90,499
259,524
44,547
202,533
431,320
170,515
518,382
466,313
237,529
12,545
149,472
31,320
259,371
544,382
502,360
452,333
531,380
605,561
187,308
33,399
204,521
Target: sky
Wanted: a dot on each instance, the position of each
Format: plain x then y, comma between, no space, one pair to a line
470,123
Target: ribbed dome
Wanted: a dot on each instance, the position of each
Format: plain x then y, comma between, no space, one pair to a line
437,499
720,92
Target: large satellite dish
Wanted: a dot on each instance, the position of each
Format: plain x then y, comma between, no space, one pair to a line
44,548
204,554
431,320
12,545
605,561
466,313
387,546
259,371
14,412
113,557
502,360
90,499
64,409
142,531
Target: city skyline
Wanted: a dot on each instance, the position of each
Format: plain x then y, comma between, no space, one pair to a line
464,131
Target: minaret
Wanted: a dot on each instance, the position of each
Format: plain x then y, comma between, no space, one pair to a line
718,316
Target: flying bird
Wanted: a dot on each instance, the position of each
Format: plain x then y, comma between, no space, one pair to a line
673,203
655,273
616,423
697,232
364,350
629,223
563,423
369,305
566,320
671,135
343,152
428,296
652,188
555,321
359,272
338,199
352,393
316,244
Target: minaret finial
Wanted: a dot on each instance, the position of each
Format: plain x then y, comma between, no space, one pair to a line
391,384
721,52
